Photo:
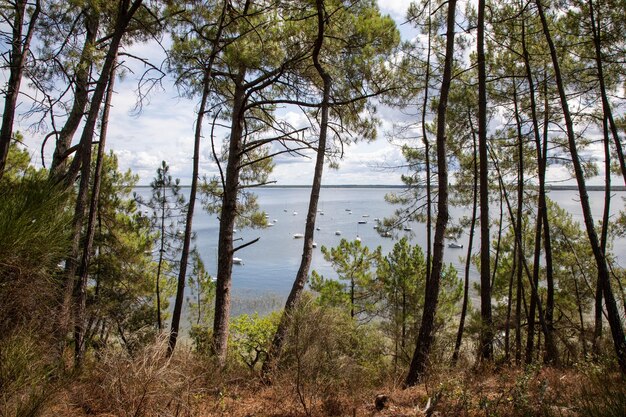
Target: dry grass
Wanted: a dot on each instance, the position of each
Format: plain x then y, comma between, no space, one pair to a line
150,385
154,387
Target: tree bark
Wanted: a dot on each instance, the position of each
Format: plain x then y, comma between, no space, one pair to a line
20,47
603,274
486,329
606,105
228,216
81,289
81,98
184,256
425,336
468,258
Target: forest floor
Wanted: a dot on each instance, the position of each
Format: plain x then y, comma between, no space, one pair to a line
146,390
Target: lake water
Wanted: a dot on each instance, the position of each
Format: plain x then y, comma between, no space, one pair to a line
270,265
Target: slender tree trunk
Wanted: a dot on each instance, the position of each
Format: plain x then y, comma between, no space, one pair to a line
429,201
20,47
468,258
486,329
606,105
184,255
160,262
425,337
541,150
579,303
81,289
82,160
228,216
307,250
81,98
617,331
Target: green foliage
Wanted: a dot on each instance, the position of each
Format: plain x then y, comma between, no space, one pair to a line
199,302
326,351
251,336
356,264
121,297
34,238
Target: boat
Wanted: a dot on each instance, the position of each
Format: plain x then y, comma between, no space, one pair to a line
321,213
315,244
318,228
298,236
348,209
362,221
338,233
285,210
386,234
237,261
407,229
295,213
365,215
357,239
454,245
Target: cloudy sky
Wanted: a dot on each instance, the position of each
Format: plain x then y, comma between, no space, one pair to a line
163,130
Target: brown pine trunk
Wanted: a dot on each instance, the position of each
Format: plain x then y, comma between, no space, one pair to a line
617,331
228,216
81,290
425,336
20,47
606,105
468,257
184,256
82,160
81,98
486,328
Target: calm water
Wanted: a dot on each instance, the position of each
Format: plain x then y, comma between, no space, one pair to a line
270,265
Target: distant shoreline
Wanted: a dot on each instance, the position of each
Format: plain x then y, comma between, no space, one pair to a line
548,187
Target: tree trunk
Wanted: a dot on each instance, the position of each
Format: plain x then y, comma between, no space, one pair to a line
20,46
606,105
81,289
425,337
184,256
81,98
468,258
228,216
82,161
603,274
161,254
429,201
486,328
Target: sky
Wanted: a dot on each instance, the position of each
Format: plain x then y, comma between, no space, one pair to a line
164,129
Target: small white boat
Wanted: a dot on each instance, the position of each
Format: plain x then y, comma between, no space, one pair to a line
298,236
237,261
454,245
357,239
275,221
285,210
269,225
338,233
365,215
348,209
315,244
407,229
295,213
321,213
362,221
386,234
318,229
